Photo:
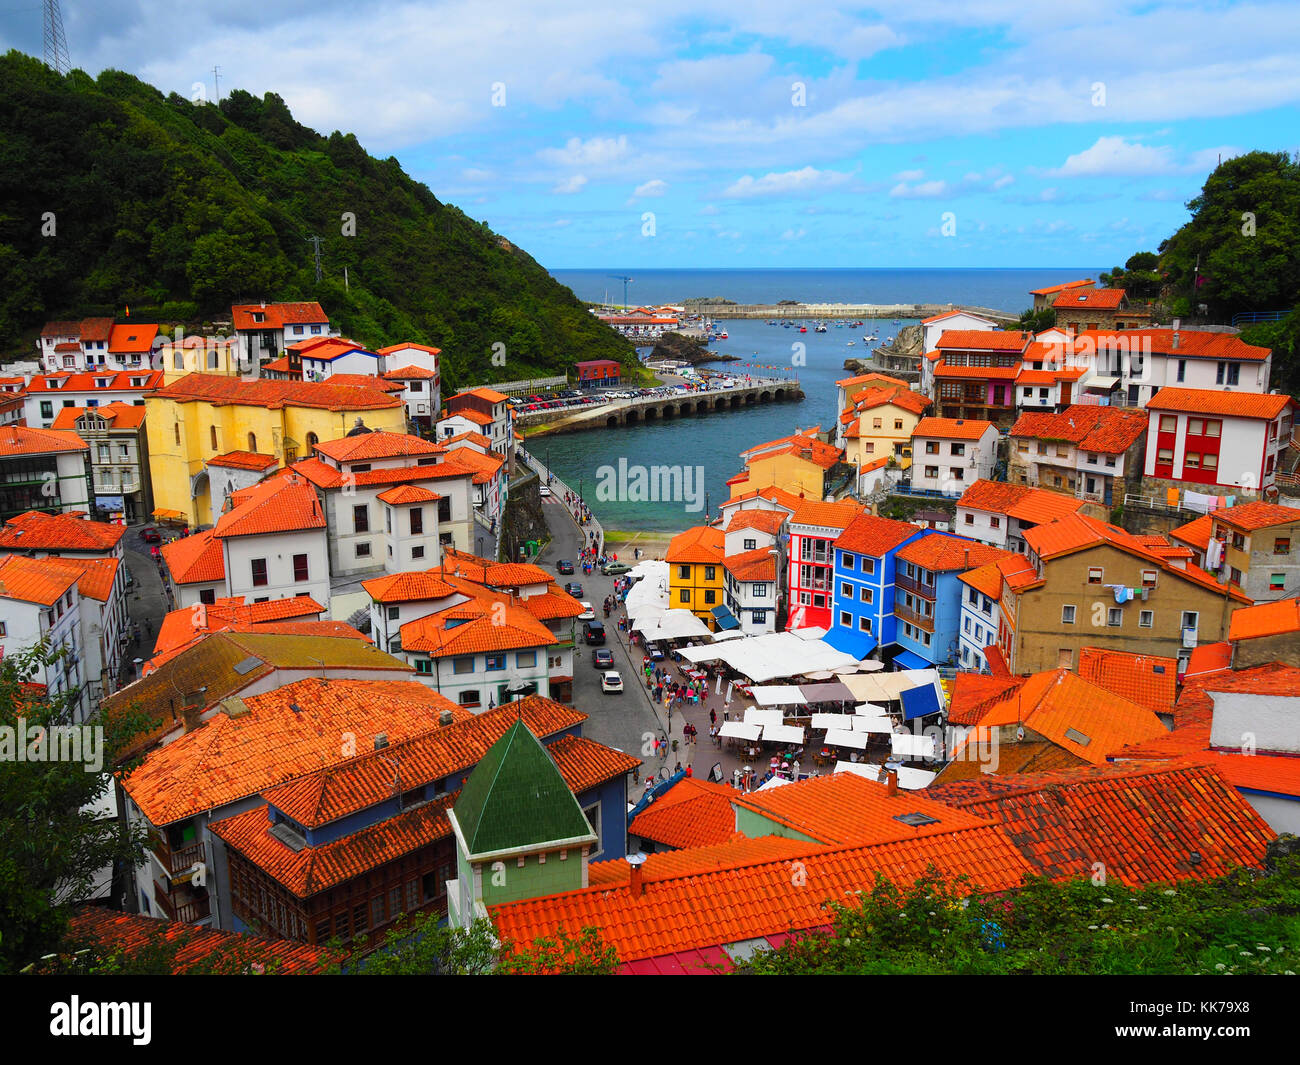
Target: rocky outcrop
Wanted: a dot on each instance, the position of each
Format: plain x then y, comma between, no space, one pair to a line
686,349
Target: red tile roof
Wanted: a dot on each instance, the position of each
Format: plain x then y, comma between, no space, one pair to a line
1250,517
486,621
1018,501
201,950
180,626
983,340
277,315
1265,619
1059,288
1143,824
952,428
940,552
838,515
273,506
377,445
404,494
1212,401
130,339
755,565
24,440
118,415
951,314
977,373
692,813
701,543
489,394
896,396
196,559
868,378
1093,299
1148,680
410,373
274,395
868,534
38,531
1102,430
244,460
769,521
973,694
119,381
42,581
407,344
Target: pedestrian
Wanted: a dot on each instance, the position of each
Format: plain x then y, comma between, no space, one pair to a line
689,772
713,716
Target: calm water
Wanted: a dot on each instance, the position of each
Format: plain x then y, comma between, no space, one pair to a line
713,443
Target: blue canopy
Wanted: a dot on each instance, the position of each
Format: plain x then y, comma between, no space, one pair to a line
857,644
918,702
725,618
908,660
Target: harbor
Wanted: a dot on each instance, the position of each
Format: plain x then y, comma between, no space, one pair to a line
839,311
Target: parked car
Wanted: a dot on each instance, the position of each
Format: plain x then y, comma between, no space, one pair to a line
655,653
574,589
150,535
545,493
612,683
593,632
602,658
588,612
564,566
615,569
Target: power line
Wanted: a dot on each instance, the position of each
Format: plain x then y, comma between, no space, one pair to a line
216,84
315,243
55,41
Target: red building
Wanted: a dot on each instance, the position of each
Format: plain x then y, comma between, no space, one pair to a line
598,373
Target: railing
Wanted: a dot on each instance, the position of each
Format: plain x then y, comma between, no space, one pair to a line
177,862
192,909
921,621
911,584
1252,317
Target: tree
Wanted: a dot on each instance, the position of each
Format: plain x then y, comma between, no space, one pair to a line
52,842
1241,249
1036,321
1139,277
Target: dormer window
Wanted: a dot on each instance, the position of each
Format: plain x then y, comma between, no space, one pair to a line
259,316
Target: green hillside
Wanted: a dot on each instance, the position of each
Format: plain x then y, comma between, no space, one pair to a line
178,209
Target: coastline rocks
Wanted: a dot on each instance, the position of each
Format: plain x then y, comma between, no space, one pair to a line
688,349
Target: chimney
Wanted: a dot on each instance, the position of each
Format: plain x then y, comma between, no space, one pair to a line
190,715
1176,339
891,783
381,741
445,718
635,884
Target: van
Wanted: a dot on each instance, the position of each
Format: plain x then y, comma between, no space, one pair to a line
593,632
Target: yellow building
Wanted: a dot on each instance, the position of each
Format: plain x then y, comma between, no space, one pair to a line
199,354
696,573
877,424
795,464
203,416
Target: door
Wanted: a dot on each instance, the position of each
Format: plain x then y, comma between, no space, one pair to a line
1065,658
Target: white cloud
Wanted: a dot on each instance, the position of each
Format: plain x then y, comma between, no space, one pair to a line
1003,181
593,153
925,190
787,183
570,185
709,210
655,187
909,175
794,234
1117,157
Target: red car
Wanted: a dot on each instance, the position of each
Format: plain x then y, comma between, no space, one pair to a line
150,535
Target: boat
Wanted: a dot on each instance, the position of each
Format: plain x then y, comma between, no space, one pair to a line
820,328
722,336
803,329
850,344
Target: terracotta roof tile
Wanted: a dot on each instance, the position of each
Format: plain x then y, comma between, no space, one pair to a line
1018,501
377,445
25,440
951,428
195,559
941,552
277,315
838,515
1265,619
1250,517
1093,299
1148,680
701,543
275,395
274,506
974,693
42,581
244,460
983,340
769,521
118,381
118,415
1212,401
692,813
404,494
1059,288
37,530
755,565
868,534
1101,430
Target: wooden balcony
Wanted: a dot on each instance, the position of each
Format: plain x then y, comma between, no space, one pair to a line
186,908
921,621
911,584
180,861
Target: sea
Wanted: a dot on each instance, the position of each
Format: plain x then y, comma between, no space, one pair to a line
705,451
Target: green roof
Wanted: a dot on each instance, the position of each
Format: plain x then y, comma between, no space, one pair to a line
516,797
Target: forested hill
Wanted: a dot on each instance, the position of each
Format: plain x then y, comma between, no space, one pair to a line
178,209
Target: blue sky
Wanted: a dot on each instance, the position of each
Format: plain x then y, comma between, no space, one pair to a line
757,132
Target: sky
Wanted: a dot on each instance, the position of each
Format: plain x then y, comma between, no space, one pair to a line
755,133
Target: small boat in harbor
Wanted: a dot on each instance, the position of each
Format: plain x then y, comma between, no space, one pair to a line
820,327
850,344
803,329
722,336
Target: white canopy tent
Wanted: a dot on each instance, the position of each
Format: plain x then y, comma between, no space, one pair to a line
908,779
740,730
843,721
782,734
888,687
881,726
778,695
909,745
770,655
838,737
756,716
669,625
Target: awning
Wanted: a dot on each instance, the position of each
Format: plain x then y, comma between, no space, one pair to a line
828,721
777,695
909,779
880,726
830,692
909,745
725,618
740,730
782,734
756,716
908,660
1100,384
857,644
918,702
167,515
838,737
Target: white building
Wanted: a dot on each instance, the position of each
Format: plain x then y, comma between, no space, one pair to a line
43,469
40,600
266,330
273,542
47,394
416,368
933,328
948,454
752,592
324,357
998,514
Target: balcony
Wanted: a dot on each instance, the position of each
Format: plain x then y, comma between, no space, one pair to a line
911,584
921,621
179,861
187,909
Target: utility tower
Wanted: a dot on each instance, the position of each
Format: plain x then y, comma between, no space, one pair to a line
315,243
56,43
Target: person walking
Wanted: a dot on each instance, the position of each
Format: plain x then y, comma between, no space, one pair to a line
713,716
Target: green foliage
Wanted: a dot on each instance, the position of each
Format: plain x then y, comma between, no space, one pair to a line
159,200
52,844
1139,277
1284,339
586,954
1245,232
1245,922
1036,321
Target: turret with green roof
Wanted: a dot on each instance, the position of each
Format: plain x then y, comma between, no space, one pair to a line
520,832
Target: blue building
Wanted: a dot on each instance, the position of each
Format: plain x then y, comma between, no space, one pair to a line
862,604
928,596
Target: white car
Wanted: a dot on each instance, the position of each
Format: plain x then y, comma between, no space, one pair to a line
612,682
544,492
588,612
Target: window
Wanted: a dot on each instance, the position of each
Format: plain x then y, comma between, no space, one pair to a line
1276,583
970,518
361,518
525,659
1146,619
846,619
868,565
259,572
846,590
208,596
684,596
760,590
710,573
710,597
932,447
1165,456
866,595
1192,460
684,572
957,449
1148,578
300,568
876,423
1282,545
212,437
1094,574
424,665
1168,423
1191,619
848,560
417,552
252,442
1212,428
1182,369
751,545
363,551
760,617
417,521
468,698
1067,615
393,613
932,471
995,522
1234,576
463,665
494,663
